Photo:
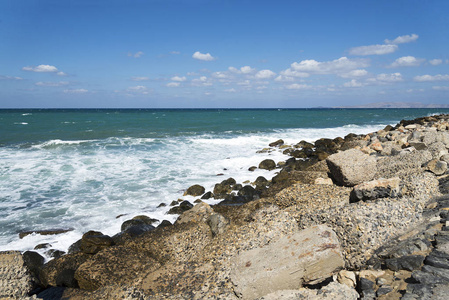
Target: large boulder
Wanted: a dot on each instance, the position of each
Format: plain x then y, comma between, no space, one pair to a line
306,257
267,164
199,213
195,190
94,241
15,278
351,167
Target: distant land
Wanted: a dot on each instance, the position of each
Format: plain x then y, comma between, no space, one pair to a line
397,105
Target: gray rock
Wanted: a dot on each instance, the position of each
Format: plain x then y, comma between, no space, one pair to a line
351,167
381,188
410,263
333,290
199,213
436,166
402,164
308,256
445,158
218,224
438,261
15,278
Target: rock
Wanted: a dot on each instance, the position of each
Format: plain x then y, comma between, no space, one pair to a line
277,143
164,223
16,280
436,166
333,290
53,269
347,278
351,167
199,213
308,256
94,241
23,234
437,259
261,181
381,188
207,195
410,263
327,181
401,165
218,224
42,246
195,190
183,206
162,205
137,221
248,192
267,164
376,146
445,158
34,262
252,169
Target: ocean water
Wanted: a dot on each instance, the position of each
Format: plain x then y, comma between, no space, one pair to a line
94,169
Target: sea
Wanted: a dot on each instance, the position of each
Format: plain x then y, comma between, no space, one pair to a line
93,169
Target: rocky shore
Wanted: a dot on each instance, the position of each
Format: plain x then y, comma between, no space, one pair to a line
364,216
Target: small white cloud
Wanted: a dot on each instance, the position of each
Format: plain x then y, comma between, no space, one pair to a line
202,81
220,75
441,88
407,61
373,50
436,62
282,78
135,55
438,77
41,69
178,78
52,84
353,83
403,39
354,73
297,86
247,70
10,78
201,56
140,78
265,74
61,73
232,90
291,73
76,91
173,84
394,77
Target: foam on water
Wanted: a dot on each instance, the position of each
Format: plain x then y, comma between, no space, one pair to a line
98,184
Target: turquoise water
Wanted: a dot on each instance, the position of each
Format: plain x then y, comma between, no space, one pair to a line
80,169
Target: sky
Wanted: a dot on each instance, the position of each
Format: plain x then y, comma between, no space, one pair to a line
222,54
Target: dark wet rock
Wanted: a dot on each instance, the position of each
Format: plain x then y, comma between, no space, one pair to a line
252,169
248,192
75,247
276,143
410,263
383,290
418,291
220,190
42,246
34,262
237,187
162,205
261,181
52,293
174,202
437,259
195,190
388,128
183,206
52,270
67,278
267,164
230,181
54,253
23,234
94,241
137,221
164,223
207,195
327,146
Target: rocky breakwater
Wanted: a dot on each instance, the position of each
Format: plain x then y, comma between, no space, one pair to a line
364,216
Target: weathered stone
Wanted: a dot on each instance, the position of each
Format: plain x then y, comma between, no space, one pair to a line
183,206
347,277
333,290
207,195
195,190
23,234
267,164
218,224
309,256
351,167
436,166
15,278
380,188
93,241
437,259
327,181
199,213
400,165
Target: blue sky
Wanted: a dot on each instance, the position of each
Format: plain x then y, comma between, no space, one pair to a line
198,53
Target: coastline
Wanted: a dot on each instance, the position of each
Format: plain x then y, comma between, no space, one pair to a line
202,249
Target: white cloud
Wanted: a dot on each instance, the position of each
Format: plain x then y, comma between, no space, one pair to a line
354,73
10,78
202,81
282,78
438,77
60,73
140,78
41,69
352,83
201,56
373,50
337,66
393,77
178,78
297,86
441,88
436,62
220,75
265,74
76,91
242,70
403,39
407,61
175,52
136,55
291,73
52,84
173,84
232,90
